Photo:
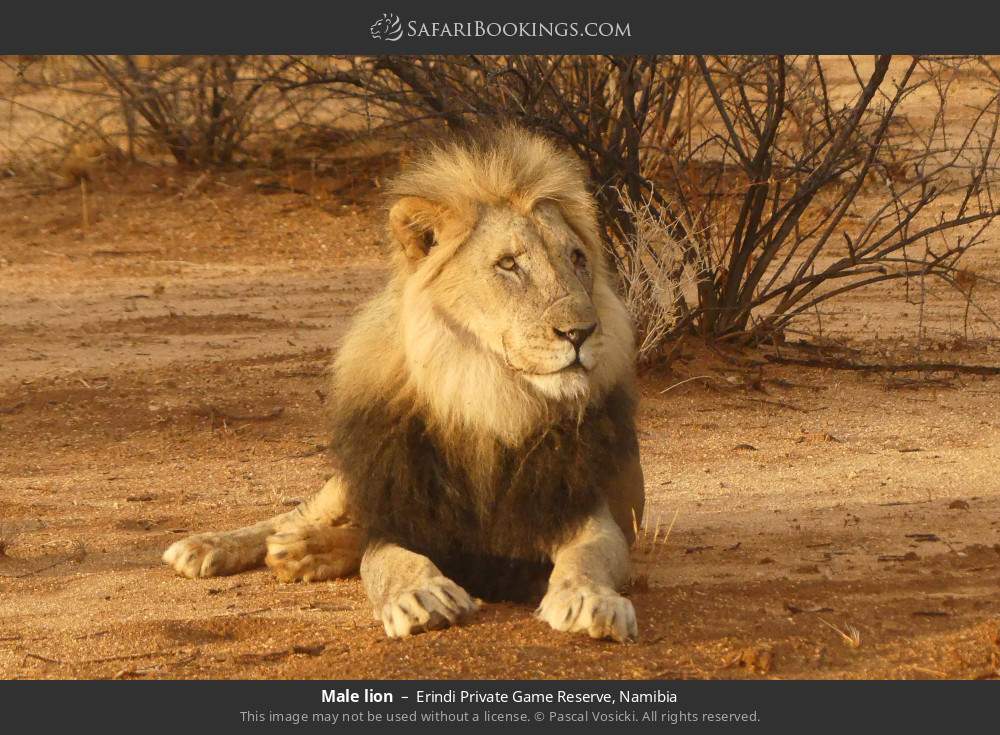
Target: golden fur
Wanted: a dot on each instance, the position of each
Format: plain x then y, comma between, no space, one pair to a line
500,320
400,346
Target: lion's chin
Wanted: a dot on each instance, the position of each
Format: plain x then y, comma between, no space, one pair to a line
569,384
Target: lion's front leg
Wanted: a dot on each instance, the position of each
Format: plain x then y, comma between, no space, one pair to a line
217,553
409,594
583,589
313,542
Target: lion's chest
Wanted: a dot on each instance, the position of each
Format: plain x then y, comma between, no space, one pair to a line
487,519
446,501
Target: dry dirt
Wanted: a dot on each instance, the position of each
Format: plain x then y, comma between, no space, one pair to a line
162,373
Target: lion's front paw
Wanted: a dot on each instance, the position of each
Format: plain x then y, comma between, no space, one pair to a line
212,555
583,607
312,553
436,604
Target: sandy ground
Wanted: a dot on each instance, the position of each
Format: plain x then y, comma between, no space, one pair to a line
162,373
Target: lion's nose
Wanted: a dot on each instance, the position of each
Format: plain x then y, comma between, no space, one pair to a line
576,335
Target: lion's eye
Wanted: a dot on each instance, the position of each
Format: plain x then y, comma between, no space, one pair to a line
507,263
579,259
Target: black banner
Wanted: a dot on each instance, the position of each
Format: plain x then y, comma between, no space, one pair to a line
451,26
527,706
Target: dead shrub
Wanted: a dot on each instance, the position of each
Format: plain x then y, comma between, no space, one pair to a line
735,192
754,165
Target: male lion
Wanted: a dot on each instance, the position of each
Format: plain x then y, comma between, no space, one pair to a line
483,426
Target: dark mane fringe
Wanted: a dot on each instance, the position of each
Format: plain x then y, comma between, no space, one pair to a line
486,516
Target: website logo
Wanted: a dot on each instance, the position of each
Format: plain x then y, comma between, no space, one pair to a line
387,28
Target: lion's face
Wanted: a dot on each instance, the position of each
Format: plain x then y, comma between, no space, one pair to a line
522,286
519,286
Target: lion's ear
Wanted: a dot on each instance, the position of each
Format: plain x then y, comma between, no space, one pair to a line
414,222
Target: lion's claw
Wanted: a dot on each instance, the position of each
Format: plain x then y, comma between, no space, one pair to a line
584,607
437,604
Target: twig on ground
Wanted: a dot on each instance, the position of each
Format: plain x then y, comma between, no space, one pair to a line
896,383
214,412
904,367
45,659
140,672
781,404
77,555
686,380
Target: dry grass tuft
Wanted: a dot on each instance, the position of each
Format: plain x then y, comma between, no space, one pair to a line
850,635
647,543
